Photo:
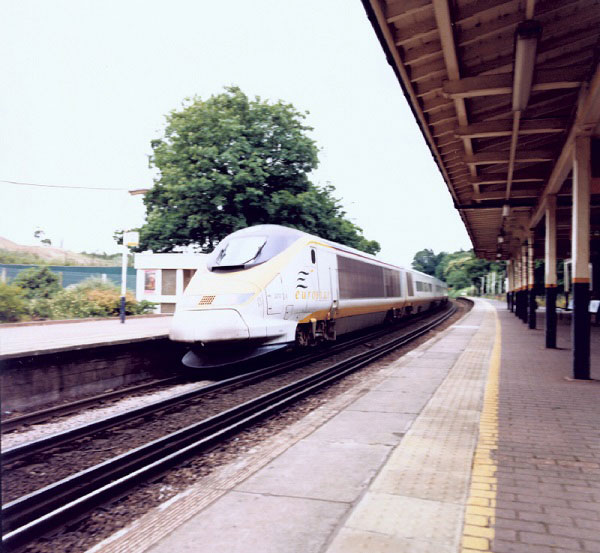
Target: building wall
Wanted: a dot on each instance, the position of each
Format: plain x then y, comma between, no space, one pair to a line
162,277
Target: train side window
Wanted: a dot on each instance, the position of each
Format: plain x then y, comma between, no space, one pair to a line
409,282
313,256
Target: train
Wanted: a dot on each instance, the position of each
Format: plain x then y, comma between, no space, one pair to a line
268,287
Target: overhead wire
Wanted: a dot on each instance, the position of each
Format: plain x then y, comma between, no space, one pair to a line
62,186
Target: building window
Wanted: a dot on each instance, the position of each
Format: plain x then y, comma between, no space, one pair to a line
167,308
169,282
187,276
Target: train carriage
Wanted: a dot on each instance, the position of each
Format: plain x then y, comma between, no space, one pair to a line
268,286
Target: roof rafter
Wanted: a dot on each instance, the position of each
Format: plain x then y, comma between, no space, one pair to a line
490,85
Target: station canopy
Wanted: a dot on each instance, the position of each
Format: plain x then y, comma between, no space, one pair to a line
500,89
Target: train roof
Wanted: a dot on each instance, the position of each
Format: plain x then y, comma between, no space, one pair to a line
289,232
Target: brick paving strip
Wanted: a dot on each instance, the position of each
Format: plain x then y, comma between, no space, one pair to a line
548,451
478,530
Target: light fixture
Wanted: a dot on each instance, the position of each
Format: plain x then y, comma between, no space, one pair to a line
528,34
498,255
500,239
505,210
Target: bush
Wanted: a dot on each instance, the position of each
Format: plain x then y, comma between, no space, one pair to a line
41,308
38,282
95,298
13,305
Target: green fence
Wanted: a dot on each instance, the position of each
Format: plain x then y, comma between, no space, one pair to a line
72,274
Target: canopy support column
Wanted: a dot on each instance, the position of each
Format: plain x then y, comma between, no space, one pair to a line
532,305
550,271
581,258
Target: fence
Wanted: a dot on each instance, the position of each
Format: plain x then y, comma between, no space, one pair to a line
73,274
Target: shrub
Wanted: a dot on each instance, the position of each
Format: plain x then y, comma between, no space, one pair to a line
13,305
41,308
95,298
38,282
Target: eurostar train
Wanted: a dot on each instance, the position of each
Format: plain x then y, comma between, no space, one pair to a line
268,287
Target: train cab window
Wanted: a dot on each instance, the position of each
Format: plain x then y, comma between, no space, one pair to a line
250,247
240,251
313,256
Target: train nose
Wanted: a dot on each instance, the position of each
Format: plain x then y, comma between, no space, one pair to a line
208,326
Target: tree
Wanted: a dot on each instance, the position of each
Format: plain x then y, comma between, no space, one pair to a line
38,282
460,269
230,162
39,234
427,262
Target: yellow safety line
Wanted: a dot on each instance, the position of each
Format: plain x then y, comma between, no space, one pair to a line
478,531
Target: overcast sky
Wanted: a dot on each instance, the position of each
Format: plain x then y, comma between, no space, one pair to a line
87,83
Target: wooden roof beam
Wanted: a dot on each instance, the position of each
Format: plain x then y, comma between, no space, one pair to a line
503,127
444,23
500,194
490,85
422,52
588,116
483,180
396,11
424,29
491,158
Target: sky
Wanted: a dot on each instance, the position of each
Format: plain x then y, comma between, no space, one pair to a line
87,84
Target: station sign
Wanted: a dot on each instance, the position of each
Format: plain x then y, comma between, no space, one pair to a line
131,238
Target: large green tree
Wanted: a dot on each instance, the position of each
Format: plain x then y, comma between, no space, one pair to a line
230,162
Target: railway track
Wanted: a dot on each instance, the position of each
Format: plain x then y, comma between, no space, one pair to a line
38,446
52,506
43,415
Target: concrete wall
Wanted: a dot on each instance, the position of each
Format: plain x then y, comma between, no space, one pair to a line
29,383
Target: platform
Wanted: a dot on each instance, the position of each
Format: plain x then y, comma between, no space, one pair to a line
22,340
474,441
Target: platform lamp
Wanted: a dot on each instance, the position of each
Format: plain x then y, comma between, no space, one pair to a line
527,36
131,239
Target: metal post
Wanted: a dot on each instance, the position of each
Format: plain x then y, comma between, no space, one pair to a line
550,279
123,283
581,258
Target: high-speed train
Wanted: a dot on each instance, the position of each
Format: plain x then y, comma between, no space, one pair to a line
267,287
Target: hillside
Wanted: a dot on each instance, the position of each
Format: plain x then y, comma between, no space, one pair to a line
10,252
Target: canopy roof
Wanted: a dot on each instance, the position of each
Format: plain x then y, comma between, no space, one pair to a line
500,155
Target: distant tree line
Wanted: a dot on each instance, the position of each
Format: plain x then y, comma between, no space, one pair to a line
460,270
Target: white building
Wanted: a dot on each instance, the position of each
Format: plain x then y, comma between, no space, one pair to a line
162,277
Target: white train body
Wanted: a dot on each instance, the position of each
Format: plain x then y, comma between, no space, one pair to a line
268,286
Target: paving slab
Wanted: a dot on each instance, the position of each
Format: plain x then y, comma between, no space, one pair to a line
390,402
364,427
262,515
334,471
